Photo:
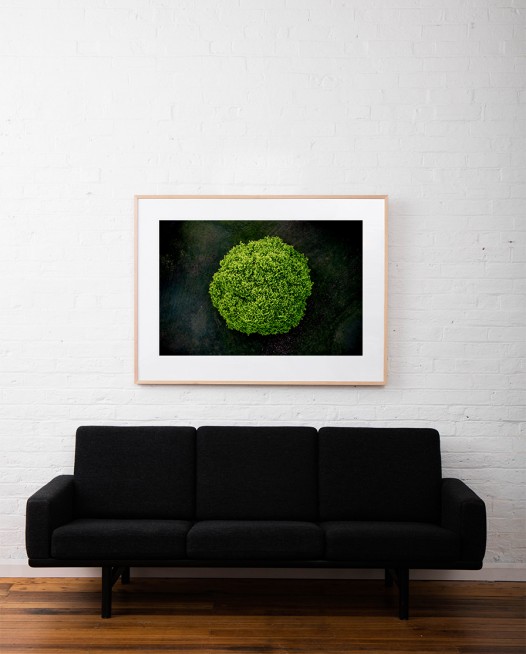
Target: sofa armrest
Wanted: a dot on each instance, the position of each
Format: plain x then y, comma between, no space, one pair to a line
47,509
465,513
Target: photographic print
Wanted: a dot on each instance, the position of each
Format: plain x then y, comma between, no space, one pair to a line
260,288
271,289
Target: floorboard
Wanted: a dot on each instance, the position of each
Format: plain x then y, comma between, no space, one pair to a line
154,616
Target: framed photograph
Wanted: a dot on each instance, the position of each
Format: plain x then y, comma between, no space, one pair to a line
260,289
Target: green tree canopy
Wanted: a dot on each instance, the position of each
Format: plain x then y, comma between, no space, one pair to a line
262,287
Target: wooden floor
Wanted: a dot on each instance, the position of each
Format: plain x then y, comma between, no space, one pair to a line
157,616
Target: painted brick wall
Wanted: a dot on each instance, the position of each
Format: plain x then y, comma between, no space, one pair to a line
420,99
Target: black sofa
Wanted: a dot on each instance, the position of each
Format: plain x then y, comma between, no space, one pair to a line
256,497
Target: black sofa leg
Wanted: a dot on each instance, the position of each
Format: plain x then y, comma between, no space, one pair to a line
107,584
125,576
402,575
110,575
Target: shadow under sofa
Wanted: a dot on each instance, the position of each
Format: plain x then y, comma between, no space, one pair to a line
275,497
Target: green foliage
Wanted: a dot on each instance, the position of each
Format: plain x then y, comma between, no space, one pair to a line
262,287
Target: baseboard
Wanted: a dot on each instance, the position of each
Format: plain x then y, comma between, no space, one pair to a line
502,573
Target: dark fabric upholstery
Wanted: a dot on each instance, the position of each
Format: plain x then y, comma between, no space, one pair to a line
48,508
135,472
255,539
120,539
256,473
465,513
379,474
389,541
343,496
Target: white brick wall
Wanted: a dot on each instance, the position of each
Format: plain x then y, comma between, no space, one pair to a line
103,99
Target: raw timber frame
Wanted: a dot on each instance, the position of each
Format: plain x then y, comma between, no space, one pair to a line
154,367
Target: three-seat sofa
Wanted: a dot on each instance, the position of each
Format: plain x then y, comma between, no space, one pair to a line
256,497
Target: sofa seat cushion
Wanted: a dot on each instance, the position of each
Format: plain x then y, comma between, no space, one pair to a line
255,540
368,542
103,538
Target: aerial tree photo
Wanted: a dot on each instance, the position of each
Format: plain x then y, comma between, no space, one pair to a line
260,287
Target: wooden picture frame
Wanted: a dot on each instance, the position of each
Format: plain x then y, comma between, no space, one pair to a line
182,338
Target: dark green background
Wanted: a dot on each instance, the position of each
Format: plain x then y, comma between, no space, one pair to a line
190,252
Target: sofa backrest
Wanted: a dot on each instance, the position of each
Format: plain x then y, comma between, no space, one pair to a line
379,474
135,472
257,473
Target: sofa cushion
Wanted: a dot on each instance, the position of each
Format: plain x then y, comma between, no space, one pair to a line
135,472
120,539
368,542
255,540
379,474
256,473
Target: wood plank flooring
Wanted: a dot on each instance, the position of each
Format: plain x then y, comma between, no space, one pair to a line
198,616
